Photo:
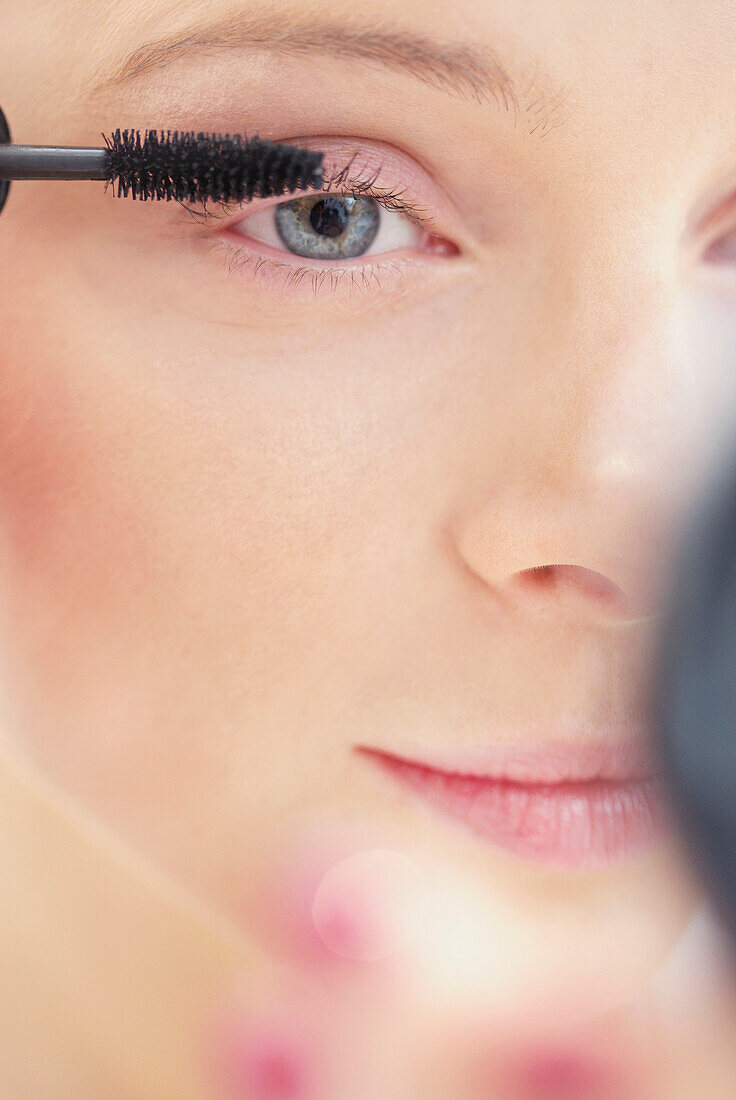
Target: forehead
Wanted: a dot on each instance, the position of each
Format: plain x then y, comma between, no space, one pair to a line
577,38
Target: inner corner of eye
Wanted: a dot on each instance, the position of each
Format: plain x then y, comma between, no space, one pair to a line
440,246
723,250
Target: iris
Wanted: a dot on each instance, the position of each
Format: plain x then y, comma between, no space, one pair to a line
336,227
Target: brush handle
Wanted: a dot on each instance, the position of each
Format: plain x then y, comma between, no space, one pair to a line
52,162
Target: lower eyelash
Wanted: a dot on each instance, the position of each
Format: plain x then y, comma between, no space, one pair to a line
356,278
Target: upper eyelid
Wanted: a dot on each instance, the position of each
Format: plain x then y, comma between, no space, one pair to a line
407,182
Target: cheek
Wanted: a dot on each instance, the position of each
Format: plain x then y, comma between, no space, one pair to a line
208,534
117,485
67,522
171,532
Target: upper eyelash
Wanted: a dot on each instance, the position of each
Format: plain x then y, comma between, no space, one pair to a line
351,183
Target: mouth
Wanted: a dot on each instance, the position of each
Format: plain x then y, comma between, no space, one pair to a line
566,806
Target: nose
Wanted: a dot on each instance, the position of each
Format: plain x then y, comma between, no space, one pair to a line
598,467
559,556
577,583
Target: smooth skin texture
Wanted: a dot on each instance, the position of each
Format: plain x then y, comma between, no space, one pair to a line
252,518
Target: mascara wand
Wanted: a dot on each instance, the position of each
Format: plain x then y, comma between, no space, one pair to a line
168,165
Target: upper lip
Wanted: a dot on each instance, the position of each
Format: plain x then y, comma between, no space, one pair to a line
555,761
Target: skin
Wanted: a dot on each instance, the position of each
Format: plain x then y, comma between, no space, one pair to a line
247,525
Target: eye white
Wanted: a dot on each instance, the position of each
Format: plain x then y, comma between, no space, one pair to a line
395,232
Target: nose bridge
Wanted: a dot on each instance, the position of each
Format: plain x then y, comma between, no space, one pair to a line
613,453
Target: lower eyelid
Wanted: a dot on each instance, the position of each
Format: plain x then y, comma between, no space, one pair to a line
285,273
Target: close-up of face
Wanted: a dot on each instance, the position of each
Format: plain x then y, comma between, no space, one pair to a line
342,525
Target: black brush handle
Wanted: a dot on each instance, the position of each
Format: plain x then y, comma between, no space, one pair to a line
52,162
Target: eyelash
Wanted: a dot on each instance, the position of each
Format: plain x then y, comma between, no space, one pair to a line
359,276
344,183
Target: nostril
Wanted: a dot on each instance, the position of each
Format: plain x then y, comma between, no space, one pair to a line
575,580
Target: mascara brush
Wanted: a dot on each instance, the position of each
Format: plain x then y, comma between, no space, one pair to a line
168,165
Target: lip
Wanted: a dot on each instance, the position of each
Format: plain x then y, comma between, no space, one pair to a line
567,806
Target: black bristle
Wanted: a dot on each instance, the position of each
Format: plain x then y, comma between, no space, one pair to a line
200,167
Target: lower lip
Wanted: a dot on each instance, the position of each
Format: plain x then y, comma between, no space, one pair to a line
577,825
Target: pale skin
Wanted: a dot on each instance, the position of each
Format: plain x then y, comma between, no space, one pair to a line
250,520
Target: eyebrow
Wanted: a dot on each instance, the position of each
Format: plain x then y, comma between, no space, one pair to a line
467,71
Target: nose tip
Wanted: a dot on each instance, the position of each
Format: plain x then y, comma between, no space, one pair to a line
578,586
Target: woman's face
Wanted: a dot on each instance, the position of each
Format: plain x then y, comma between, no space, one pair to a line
260,508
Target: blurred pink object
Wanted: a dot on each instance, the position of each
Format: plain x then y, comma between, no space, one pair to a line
265,1061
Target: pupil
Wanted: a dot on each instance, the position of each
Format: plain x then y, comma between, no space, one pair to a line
329,217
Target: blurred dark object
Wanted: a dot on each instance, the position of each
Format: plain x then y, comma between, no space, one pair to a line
694,690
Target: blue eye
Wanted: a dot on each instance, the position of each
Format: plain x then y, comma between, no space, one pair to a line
331,227
334,227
